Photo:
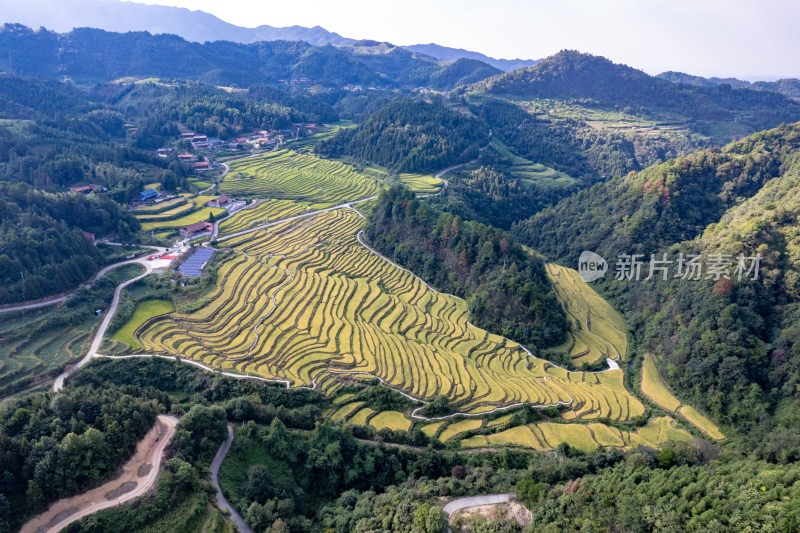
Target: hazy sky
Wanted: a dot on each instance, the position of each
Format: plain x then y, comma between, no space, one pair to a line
744,38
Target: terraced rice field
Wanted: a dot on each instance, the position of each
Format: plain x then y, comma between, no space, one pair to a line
191,218
271,210
30,345
432,428
701,422
305,301
586,437
653,386
289,175
597,330
182,208
162,205
393,420
421,183
457,428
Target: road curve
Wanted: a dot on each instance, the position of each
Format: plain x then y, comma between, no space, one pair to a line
474,501
101,331
150,451
102,272
222,503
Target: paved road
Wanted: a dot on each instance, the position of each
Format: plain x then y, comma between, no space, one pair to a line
222,503
102,272
474,501
101,331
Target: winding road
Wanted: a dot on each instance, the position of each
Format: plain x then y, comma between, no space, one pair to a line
222,503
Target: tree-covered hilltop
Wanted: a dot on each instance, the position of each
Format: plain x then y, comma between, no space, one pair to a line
664,204
505,286
573,75
90,55
410,135
43,250
55,446
726,348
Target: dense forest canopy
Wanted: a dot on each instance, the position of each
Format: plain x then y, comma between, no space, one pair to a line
409,135
506,288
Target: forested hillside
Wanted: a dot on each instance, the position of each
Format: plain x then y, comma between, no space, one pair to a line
725,347
408,135
506,288
42,248
89,55
572,75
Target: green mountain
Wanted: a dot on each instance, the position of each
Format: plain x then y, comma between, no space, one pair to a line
728,348
572,75
789,87
90,56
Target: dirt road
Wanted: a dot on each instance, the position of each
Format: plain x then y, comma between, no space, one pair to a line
138,476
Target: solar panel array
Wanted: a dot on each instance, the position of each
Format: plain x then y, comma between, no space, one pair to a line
194,265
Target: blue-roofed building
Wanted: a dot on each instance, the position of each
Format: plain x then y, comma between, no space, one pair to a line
148,195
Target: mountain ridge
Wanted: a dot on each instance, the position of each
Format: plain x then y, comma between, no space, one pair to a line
197,26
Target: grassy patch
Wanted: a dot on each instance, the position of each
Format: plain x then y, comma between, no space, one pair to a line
144,312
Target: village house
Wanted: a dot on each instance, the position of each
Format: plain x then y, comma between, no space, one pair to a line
199,138
202,165
164,152
187,135
187,157
221,201
149,195
90,236
197,227
88,189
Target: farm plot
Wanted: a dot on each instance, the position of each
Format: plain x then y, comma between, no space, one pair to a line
597,331
144,312
289,175
654,388
586,437
191,218
421,183
270,210
307,302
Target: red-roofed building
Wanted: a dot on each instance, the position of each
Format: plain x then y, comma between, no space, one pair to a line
88,235
221,201
202,165
197,227
187,157
187,135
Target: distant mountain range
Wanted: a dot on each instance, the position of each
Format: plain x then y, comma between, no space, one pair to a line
88,56
789,86
196,26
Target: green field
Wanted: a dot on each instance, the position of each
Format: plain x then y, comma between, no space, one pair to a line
421,183
289,175
144,312
532,173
